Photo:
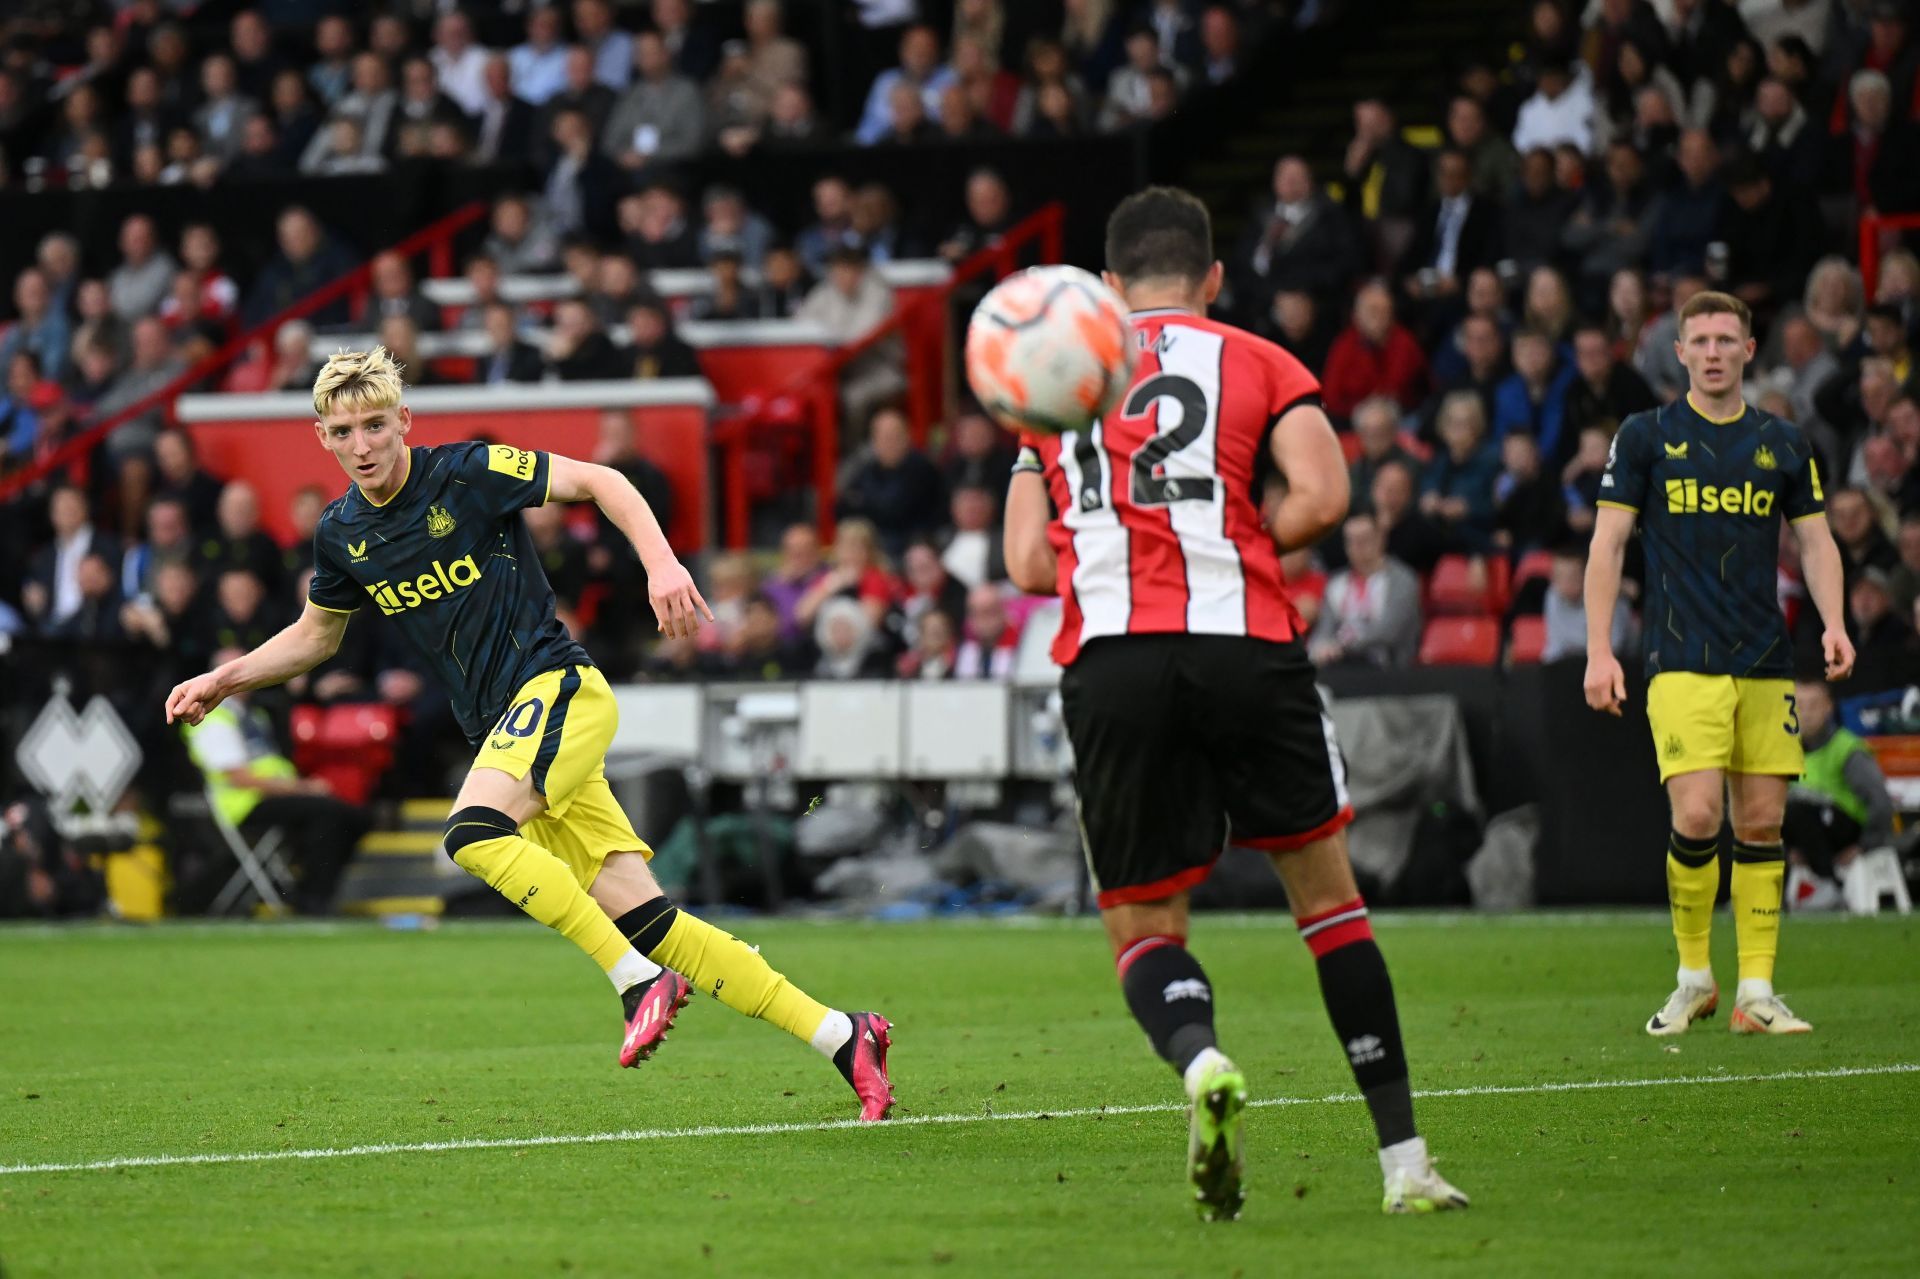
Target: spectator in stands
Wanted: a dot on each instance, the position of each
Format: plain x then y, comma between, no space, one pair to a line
1375,355
1371,613
581,186
257,789
255,63
1655,359
849,304
738,103
784,284
144,121
292,366
929,589
798,569
1548,305
1780,136
100,325
934,649
578,349
653,348
393,292
1091,36
661,118
37,326
1583,476
1834,302
371,106
459,64
167,619
563,558
616,288
1479,365
1566,609
1534,397
330,74
1293,321
791,125
503,123
990,91
848,640
401,336
1456,488
1537,212
858,572
96,620
1386,177
1129,94
1878,159
1611,228
511,358
991,642
975,552
920,68
58,257
758,651
582,92
988,216
421,108
658,233
259,157
1560,110
339,150
52,592
978,452
1454,235
892,484
518,243
240,543
690,43
1904,582
832,223
1494,162
1219,58
908,123
1805,366
307,259
538,64
1885,652
1604,392
1689,214
182,479
154,365
1299,242
615,448
221,117
1863,544
1376,425
96,365
775,59
1529,509
1049,77
728,222
728,298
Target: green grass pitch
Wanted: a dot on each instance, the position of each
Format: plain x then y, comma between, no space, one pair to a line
208,1040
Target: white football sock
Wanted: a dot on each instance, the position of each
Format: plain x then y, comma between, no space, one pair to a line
1752,988
1697,977
632,969
1197,1068
835,1030
1410,1154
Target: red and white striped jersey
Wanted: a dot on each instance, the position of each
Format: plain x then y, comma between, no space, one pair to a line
1158,527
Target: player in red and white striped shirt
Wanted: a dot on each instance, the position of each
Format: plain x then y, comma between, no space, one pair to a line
1187,692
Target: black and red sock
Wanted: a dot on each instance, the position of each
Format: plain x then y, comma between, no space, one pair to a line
1169,996
1359,998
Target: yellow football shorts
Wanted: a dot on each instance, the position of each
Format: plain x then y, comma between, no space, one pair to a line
558,728
1724,722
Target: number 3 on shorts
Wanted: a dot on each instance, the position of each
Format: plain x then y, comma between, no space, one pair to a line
1793,715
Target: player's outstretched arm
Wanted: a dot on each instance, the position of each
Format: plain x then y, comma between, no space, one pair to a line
1031,563
1820,561
311,640
1606,683
676,601
1308,454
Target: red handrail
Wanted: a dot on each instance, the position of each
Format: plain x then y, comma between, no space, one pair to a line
434,239
816,388
1871,225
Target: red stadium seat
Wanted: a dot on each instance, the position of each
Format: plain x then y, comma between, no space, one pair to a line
348,745
1529,640
1460,641
1459,588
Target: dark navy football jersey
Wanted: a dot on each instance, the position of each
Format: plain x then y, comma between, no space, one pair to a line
450,562
1710,497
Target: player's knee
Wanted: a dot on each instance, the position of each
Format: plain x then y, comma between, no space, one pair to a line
473,833
1697,819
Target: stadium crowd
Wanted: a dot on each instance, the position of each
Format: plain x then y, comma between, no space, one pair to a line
1482,312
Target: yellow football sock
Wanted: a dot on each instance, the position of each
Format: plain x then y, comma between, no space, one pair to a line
534,880
1759,870
732,972
1693,880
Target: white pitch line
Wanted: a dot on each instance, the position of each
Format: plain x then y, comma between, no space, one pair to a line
907,1121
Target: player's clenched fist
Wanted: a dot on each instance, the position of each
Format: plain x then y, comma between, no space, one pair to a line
676,600
1606,684
193,699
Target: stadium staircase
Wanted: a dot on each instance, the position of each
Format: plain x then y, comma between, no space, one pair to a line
1405,52
400,871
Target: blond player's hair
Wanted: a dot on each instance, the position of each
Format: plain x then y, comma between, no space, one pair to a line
358,380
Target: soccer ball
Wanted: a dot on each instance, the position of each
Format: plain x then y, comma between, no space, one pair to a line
1049,350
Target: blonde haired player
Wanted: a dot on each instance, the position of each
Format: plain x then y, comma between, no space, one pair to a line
1709,478
433,538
